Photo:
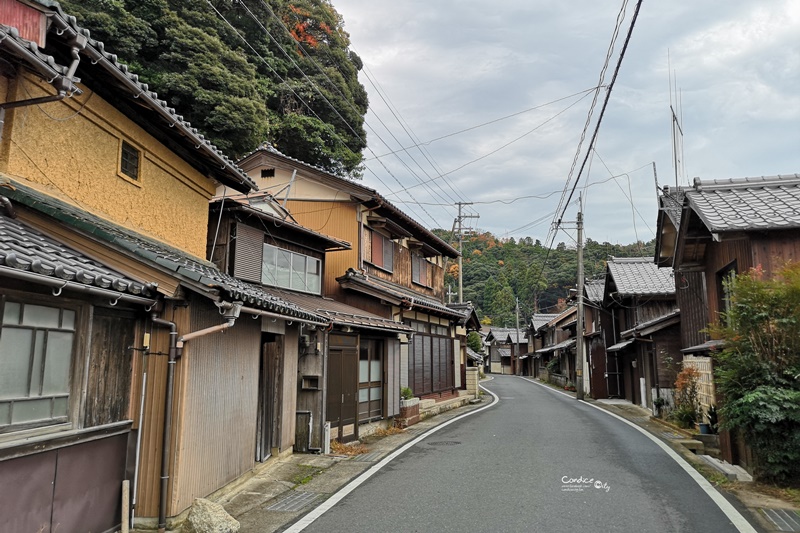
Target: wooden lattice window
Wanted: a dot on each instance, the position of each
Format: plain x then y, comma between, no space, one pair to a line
129,160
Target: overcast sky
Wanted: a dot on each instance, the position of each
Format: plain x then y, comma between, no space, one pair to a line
436,67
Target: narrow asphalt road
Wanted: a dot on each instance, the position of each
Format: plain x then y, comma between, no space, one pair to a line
536,461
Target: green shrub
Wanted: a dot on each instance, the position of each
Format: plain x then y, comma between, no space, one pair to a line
770,419
758,371
406,393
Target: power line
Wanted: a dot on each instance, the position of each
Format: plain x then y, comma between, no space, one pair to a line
506,145
431,141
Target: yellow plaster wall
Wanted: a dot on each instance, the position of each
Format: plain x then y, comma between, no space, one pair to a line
71,148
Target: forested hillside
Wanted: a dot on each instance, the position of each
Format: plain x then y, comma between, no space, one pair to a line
245,71
496,272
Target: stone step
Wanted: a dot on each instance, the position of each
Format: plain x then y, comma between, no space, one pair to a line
732,472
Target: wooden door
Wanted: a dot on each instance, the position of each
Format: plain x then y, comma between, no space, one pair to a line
269,395
342,401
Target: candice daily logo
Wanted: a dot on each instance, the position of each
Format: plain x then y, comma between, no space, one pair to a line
580,484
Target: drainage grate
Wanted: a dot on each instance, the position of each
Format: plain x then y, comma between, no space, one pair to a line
444,443
367,457
784,519
294,501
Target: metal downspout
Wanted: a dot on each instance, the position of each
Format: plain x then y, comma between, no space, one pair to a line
172,358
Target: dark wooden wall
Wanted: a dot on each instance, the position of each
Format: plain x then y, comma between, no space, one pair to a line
108,387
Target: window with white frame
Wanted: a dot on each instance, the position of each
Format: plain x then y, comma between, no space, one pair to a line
291,270
36,358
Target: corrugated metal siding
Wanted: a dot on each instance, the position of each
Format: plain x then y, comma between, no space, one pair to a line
248,249
335,219
218,405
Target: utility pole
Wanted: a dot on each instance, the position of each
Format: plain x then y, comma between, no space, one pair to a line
459,221
516,368
579,359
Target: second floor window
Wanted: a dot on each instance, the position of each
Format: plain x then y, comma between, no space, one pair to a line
129,161
382,252
291,270
420,270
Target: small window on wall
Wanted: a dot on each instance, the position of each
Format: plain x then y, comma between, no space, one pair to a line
382,252
129,161
420,270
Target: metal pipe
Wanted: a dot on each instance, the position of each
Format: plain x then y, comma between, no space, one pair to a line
172,358
206,331
73,286
138,448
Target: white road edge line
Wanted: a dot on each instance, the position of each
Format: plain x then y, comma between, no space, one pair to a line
306,521
739,521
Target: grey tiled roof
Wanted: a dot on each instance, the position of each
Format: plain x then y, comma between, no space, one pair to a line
594,290
671,203
182,265
541,319
25,249
747,204
340,313
504,334
472,354
96,57
504,352
398,292
639,276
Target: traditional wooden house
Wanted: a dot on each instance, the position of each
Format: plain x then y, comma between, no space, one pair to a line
261,244
725,227
115,364
602,374
536,341
643,348
506,345
557,354
395,270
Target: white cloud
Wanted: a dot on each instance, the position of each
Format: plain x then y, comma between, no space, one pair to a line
448,65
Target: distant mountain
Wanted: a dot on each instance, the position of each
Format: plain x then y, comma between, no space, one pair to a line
497,271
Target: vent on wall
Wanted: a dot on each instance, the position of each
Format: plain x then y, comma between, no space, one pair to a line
267,172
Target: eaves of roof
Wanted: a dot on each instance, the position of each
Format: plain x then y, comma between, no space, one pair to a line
331,243
341,314
654,325
27,254
196,274
395,294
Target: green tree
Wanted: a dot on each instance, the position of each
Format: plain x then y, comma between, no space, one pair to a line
474,342
758,371
245,72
